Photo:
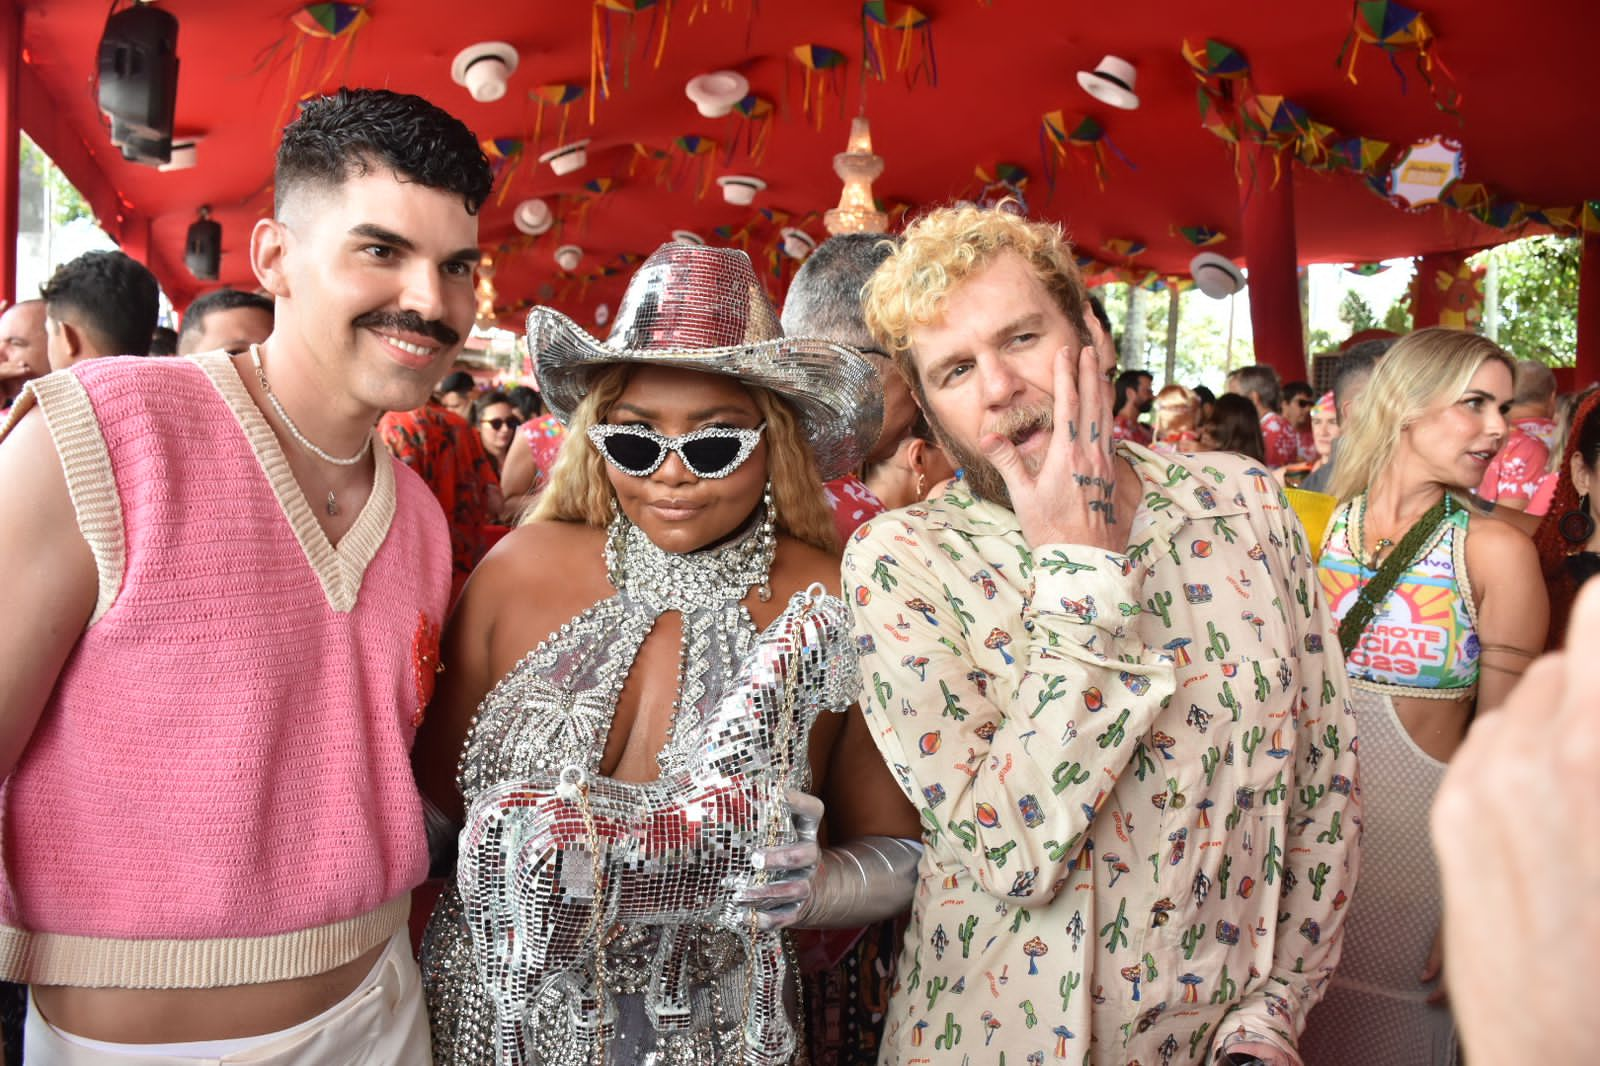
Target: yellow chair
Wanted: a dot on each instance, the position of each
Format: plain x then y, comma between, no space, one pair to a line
1315,510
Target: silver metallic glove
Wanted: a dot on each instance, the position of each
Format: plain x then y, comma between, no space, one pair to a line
857,883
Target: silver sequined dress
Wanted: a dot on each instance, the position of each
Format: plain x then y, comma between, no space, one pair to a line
554,709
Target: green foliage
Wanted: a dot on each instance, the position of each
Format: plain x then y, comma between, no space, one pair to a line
1202,356
1538,280
1355,312
67,204
1398,318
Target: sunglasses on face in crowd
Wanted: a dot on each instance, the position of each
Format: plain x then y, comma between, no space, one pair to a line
502,423
712,452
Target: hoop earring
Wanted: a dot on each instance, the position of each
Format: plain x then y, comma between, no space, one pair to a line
1577,525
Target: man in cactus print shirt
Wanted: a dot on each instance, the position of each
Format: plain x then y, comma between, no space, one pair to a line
1108,681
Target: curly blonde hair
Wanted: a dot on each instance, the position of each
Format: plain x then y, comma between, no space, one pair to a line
1420,371
947,246
580,492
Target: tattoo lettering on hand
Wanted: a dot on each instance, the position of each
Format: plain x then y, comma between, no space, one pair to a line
1107,508
1072,430
1094,432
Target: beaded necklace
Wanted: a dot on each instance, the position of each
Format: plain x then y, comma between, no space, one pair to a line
1402,558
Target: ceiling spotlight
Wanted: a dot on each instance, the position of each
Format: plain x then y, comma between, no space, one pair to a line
687,236
715,94
483,69
740,189
568,256
184,154
568,157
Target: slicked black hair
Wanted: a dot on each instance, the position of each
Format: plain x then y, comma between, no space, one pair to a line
194,317
354,130
108,294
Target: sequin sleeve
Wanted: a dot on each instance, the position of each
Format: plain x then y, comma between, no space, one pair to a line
1002,750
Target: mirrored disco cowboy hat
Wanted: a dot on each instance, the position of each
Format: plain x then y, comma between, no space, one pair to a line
702,308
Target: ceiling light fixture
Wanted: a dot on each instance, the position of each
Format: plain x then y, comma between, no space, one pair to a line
857,167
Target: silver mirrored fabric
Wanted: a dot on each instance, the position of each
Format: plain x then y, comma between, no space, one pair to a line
674,983
701,308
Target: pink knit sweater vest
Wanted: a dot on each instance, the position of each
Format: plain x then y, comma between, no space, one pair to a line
219,790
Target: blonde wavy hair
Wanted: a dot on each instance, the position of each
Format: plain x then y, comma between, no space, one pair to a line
1423,370
579,490
947,246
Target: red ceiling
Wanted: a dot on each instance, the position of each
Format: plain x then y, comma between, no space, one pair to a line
1526,73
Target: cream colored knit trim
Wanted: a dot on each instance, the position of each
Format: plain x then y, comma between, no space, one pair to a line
69,416
104,962
339,569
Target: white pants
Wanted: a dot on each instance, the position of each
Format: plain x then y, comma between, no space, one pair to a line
381,1023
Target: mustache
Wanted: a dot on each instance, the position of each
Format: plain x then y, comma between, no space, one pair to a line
408,322
1017,421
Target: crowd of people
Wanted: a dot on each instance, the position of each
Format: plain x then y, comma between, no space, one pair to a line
861,681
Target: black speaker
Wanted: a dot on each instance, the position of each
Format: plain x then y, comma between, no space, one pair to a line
139,81
202,249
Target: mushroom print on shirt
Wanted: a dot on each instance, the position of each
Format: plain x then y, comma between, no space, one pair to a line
1136,772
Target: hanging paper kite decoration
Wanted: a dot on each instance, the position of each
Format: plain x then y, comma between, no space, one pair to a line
688,151
1392,28
588,194
335,27
915,56
601,40
556,95
755,115
1087,138
1200,236
505,155
1424,172
1360,155
823,67
1591,216
656,160
1124,249
1007,183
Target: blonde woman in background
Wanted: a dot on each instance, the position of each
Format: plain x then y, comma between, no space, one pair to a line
1439,613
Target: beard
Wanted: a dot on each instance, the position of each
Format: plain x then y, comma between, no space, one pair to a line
982,476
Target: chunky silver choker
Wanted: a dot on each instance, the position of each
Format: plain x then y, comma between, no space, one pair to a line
294,430
705,578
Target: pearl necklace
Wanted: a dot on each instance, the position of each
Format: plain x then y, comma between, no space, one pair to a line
332,505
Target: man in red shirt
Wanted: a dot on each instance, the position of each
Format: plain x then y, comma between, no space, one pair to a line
1259,384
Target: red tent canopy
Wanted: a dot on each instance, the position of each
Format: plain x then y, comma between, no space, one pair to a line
1521,70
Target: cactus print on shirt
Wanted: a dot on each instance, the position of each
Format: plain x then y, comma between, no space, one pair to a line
1136,772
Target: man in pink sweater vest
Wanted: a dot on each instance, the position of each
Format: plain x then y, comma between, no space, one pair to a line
233,605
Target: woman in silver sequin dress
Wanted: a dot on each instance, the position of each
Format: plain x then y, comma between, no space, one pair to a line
683,513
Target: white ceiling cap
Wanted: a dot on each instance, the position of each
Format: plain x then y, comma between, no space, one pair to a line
740,188
568,157
1111,83
715,94
483,69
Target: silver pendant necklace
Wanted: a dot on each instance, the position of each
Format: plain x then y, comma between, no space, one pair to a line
332,505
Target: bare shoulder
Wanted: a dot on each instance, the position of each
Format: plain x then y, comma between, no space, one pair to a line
1500,553
799,564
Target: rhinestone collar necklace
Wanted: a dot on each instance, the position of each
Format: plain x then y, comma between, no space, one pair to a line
706,578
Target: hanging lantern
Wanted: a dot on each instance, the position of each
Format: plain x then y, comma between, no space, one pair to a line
857,167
